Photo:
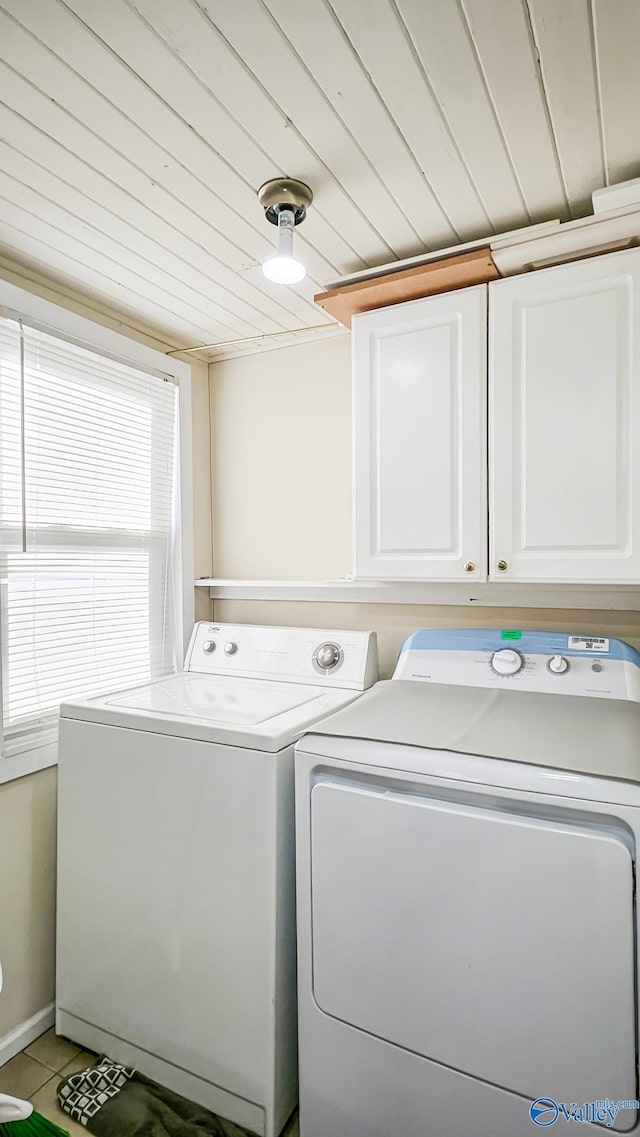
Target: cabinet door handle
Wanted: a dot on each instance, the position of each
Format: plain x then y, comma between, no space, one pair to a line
469,567
502,565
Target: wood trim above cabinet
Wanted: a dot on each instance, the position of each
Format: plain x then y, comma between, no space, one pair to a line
444,275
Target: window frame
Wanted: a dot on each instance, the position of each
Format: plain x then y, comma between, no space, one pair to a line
45,316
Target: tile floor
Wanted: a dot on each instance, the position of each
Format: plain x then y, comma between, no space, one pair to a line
34,1074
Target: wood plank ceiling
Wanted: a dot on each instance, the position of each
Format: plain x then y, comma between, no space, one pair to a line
134,133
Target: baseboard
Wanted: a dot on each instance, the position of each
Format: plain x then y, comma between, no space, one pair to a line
26,1033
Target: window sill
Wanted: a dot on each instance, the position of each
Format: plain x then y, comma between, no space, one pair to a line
28,762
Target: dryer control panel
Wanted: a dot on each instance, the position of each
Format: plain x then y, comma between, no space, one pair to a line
326,658
564,663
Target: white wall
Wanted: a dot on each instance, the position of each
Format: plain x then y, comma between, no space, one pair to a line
394,622
281,468
27,896
281,445
28,805
201,464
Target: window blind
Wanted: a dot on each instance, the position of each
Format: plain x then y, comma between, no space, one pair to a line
87,501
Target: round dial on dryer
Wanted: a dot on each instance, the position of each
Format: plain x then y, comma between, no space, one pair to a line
327,657
558,665
507,661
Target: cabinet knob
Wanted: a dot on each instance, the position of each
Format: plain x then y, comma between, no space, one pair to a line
502,565
469,567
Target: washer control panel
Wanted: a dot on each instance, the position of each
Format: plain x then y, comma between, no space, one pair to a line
547,662
295,655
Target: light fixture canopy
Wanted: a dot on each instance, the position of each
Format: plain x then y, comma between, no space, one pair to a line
285,202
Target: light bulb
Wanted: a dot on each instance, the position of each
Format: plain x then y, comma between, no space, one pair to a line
284,268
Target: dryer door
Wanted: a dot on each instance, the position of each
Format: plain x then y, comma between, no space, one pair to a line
497,943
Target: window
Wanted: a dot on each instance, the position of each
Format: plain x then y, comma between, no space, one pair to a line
88,478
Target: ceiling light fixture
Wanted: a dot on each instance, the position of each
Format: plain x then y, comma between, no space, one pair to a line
285,202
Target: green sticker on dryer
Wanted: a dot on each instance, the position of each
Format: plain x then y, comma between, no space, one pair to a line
510,635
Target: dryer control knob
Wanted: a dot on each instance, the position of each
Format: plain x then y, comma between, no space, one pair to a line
558,664
230,648
506,661
209,646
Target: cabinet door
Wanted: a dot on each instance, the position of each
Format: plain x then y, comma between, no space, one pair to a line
564,423
419,434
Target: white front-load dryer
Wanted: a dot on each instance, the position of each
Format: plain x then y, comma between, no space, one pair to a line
467,926
176,896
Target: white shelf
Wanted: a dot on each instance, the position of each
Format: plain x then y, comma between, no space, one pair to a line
494,595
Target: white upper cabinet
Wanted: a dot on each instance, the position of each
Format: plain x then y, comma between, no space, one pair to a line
563,463
564,427
419,434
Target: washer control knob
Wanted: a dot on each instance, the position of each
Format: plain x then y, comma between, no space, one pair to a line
230,648
558,664
506,661
327,656
209,646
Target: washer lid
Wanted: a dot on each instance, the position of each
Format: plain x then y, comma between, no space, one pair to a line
254,713
219,699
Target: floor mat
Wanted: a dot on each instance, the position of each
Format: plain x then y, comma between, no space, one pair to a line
113,1100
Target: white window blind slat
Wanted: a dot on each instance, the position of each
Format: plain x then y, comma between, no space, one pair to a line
10,440
89,606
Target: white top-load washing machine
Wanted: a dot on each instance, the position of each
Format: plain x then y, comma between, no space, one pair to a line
468,940
176,896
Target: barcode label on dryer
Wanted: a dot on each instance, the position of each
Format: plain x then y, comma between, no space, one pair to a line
588,643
